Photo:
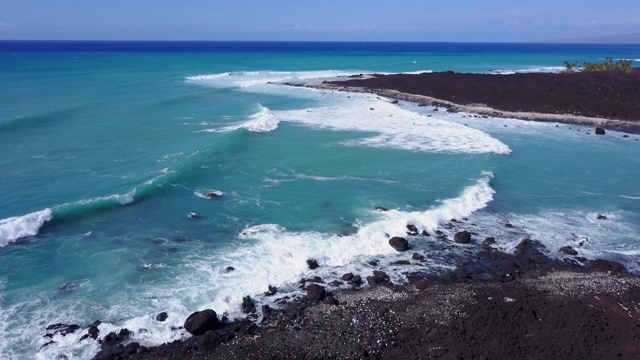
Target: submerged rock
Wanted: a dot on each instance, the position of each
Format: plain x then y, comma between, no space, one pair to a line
599,131
313,264
272,291
568,250
413,230
489,241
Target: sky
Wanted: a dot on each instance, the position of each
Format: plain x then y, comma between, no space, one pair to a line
326,20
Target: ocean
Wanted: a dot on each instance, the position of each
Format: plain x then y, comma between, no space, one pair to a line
136,175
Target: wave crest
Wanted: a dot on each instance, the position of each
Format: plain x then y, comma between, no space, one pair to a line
14,228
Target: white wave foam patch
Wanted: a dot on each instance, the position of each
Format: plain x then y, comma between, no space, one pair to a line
14,228
473,198
255,78
543,69
262,121
396,127
630,197
610,238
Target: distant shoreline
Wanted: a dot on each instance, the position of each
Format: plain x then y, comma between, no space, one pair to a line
592,99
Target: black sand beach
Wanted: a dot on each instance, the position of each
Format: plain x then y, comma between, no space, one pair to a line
494,306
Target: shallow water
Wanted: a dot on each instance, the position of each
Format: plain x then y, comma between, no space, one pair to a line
107,148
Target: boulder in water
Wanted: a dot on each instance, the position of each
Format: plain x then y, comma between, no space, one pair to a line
462,237
399,243
200,322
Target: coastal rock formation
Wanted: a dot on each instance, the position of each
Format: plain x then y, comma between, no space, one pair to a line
412,230
599,131
315,292
162,316
312,264
378,278
489,241
568,250
399,243
200,322
462,237
247,305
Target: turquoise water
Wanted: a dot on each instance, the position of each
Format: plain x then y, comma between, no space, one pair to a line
108,147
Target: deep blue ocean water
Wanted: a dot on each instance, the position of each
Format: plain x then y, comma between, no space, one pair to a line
107,147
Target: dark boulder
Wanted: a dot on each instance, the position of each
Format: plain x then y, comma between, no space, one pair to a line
267,311
247,305
462,237
527,245
489,241
413,230
425,233
356,281
229,269
399,243
313,264
61,329
599,131
213,195
131,348
315,292
93,331
417,256
568,250
111,339
162,316
380,208
378,278
601,217
401,262
200,322
272,291
347,276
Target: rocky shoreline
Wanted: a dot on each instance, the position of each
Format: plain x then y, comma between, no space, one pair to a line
602,99
527,303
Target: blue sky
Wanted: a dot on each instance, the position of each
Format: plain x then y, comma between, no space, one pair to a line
345,20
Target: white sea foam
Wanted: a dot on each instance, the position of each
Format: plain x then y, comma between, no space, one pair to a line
543,69
256,78
582,230
14,228
262,121
630,197
396,127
